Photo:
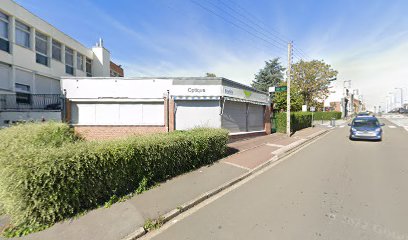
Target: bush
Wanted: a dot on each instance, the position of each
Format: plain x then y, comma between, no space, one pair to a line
54,177
299,120
326,115
22,135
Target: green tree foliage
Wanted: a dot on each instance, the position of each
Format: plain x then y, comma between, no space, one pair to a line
279,100
269,76
210,75
312,80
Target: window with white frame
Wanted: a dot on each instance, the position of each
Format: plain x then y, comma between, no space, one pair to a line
88,67
69,61
4,32
80,61
22,34
41,48
56,50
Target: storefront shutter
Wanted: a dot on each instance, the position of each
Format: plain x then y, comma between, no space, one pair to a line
255,117
234,116
197,113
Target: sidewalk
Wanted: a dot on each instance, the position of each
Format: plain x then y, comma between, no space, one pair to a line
326,123
125,220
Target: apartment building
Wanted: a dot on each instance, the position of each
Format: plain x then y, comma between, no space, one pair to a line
116,70
33,57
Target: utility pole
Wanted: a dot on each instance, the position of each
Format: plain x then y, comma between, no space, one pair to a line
288,89
402,99
345,98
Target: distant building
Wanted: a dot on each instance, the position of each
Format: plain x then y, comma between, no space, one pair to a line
116,70
335,106
33,57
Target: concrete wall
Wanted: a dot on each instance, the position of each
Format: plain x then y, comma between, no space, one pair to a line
29,116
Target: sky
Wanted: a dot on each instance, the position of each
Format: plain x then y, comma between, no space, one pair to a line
366,41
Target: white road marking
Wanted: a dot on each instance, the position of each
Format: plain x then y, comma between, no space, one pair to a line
236,165
406,128
274,145
342,126
392,126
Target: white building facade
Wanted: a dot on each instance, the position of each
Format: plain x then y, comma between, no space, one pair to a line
33,57
113,107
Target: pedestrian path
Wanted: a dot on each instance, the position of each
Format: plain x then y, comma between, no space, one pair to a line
125,220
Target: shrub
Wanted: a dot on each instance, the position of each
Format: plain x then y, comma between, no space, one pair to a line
51,134
54,177
299,120
326,115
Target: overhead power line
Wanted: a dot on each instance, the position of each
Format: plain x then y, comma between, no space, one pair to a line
254,20
237,25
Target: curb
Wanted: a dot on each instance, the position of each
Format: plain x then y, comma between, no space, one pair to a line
186,206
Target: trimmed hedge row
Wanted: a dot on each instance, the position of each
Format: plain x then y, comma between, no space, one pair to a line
299,120
326,115
53,178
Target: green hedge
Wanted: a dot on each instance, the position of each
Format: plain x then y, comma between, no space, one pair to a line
299,120
326,115
53,178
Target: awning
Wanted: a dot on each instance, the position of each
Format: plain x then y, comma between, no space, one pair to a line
196,97
246,101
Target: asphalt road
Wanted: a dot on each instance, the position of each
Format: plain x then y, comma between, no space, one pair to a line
332,189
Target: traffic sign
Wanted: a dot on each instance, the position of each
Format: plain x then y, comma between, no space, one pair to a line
281,89
278,89
312,109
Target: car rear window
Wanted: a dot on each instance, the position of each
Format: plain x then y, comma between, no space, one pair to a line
365,122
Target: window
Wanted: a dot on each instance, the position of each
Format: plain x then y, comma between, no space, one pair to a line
23,95
69,61
80,61
41,47
22,34
88,67
4,32
56,50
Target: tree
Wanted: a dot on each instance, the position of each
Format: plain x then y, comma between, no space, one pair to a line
296,101
269,76
312,80
210,75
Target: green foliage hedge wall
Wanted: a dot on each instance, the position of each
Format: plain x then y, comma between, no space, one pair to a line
299,120
47,174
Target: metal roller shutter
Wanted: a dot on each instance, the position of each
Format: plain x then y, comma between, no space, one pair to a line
24,77
255,117
46,85
234,117
5,76
197,113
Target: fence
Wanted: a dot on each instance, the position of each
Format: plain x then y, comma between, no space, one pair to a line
25,101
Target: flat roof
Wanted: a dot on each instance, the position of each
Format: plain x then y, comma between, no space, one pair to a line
221,80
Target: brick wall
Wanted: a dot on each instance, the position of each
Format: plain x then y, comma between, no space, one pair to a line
110,132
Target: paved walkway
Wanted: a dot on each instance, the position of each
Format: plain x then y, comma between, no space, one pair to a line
122,219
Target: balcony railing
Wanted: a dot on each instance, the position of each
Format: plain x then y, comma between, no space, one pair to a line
26,102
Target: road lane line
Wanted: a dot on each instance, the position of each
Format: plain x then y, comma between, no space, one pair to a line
392,126
342,126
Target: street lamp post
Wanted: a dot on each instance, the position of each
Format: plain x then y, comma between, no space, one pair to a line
392,100
402,99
